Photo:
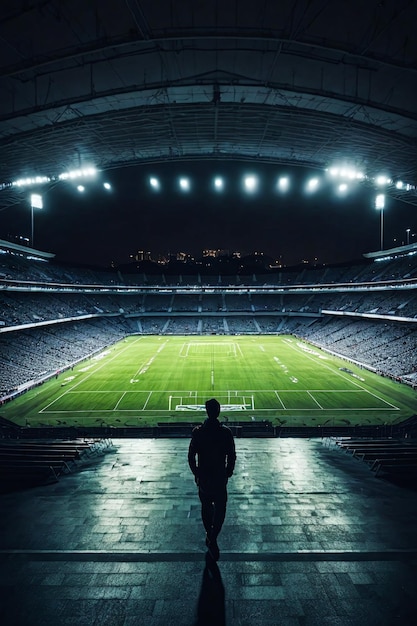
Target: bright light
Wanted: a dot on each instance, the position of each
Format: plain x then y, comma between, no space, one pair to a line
250,183
399,184
185,184
380,201
218,183
343,188
283,183
107,186
89,171
382,180
26,182
36,201
346,171
312,184
154,183
81,188
86,172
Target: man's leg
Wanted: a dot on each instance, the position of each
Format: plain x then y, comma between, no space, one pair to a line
220,501
207,511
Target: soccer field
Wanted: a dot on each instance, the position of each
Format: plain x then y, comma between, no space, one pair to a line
144,380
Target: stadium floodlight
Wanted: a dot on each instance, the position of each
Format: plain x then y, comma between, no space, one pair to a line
343,188
382,180
26,182
184,184
86,172
399,184
380,205
81,188
250,183
312,185
218,183
107,186
35,203
154,183
380,201
345,171
283,183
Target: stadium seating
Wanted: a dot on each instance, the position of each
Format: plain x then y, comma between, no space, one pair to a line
389,457
53,328
25,463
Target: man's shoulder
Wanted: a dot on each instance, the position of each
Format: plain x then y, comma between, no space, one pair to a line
227,430
203,428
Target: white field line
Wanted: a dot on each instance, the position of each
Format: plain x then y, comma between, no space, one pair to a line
313,398
235,392
303,411
119,401
396,408
87,377
146,365
233,348
283,405
183,347
147,400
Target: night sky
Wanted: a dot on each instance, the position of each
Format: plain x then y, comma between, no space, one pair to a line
99,227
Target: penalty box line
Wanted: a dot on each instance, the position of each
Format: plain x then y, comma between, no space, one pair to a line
246,403
234,349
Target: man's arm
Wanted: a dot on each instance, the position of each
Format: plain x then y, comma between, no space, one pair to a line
192,452
231,455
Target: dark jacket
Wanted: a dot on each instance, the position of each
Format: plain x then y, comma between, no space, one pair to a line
213,445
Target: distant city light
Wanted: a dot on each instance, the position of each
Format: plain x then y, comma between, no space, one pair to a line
107,186
283,183
218,183
380,201
312,184
81,188
36,201
185,184
154,183
250,183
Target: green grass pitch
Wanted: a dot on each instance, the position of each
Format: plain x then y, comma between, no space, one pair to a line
144,380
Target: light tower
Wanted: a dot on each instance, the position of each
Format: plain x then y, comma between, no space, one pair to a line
35,203
380,205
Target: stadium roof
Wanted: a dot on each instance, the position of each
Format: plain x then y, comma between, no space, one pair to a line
111,83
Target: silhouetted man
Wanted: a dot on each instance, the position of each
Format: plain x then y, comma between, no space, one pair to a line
213,445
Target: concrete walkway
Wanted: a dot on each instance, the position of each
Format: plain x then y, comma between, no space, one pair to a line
311,538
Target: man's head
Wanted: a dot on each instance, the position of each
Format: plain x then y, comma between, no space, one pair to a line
213,408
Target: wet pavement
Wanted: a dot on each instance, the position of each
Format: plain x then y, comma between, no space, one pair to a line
311,537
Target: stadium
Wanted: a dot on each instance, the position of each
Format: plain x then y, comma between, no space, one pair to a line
104,372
